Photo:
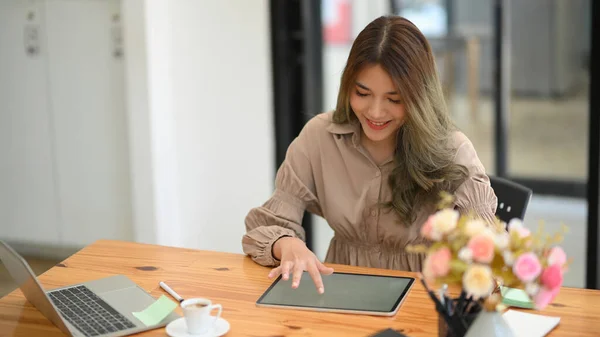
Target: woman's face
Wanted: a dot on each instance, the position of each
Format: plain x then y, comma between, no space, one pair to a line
377,104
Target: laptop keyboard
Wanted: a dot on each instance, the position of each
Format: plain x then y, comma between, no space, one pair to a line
88,312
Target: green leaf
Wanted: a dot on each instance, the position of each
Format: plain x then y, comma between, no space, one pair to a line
458,266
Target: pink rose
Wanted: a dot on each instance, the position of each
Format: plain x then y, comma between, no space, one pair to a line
482,248
552,276
557,256
427,270
437,264
527,267
544,297
427,228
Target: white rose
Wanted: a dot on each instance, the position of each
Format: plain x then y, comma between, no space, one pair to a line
465,254
478,280
474,227
435,235
502,240
515,223
508,257
532,289
445,221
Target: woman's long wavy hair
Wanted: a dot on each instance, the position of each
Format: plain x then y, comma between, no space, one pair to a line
424,159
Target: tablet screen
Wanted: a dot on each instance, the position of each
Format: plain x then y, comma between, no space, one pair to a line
343,291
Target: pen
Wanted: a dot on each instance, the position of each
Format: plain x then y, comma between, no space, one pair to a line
440,308
461,303
170,291
447,300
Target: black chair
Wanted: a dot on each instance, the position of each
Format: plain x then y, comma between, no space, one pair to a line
513,198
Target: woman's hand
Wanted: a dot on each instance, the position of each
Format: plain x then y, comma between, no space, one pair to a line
295,257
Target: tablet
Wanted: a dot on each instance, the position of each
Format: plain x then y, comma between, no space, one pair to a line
344,292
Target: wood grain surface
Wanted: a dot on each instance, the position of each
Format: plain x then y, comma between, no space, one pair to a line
236,282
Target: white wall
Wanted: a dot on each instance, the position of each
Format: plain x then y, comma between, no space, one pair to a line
200,88
88,120
64,172
147,39
139,127
223,108
26,152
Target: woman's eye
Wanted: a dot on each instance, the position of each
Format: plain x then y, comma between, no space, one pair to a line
361,94
395,101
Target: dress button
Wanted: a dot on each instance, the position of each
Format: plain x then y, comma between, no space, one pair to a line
373,213
377,174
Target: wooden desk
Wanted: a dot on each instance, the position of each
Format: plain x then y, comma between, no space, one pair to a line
236,282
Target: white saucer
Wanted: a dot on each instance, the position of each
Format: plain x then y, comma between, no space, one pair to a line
178,328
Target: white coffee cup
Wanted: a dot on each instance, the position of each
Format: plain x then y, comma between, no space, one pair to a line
197,315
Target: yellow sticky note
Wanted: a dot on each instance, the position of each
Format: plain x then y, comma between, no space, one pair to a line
516,298
156,312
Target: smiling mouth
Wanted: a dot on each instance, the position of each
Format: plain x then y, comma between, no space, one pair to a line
377,125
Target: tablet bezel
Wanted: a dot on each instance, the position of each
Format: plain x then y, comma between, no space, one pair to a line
392,312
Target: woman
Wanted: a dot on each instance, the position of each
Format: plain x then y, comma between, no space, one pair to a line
374,167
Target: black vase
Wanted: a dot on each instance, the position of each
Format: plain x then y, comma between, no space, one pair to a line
455,319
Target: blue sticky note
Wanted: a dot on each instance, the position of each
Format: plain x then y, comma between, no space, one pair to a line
156,312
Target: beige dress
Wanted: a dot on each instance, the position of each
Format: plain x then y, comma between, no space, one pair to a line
328,173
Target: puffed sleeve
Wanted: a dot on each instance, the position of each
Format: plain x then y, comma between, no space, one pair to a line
475,195
281,215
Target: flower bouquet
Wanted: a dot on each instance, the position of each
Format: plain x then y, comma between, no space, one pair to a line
476,256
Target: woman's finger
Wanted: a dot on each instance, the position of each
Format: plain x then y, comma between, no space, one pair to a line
275,272
324,269
313,271
298,270
285,269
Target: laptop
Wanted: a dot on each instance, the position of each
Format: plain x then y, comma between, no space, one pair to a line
102,307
